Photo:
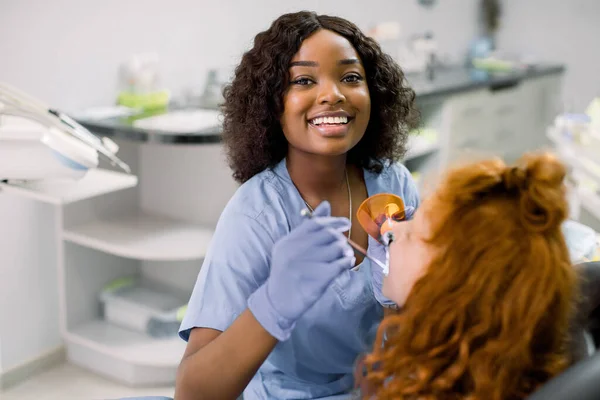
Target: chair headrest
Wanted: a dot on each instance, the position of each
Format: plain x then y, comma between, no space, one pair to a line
581,382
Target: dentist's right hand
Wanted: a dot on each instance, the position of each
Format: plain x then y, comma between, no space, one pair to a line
303,264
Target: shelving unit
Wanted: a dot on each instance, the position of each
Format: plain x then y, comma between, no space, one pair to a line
111,237
103,234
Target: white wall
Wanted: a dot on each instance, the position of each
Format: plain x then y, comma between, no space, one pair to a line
28,281
67,52
565,31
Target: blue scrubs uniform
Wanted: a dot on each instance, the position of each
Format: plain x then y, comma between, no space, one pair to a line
317,361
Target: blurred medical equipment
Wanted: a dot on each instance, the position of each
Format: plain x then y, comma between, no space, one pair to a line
139,80
212,97
580,129
143,306
41,143
576,139
583,242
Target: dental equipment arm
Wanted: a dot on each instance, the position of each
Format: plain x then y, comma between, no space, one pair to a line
15,103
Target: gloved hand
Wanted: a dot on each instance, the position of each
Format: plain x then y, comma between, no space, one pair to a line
303,265
380,252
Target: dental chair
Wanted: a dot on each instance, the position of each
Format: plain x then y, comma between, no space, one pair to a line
580,382
585,329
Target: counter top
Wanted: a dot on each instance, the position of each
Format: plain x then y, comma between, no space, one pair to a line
447,81
123,128
459,79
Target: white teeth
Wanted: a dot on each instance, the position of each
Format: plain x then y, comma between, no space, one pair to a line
329,120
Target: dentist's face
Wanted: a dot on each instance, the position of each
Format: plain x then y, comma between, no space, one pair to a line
410,254
327,105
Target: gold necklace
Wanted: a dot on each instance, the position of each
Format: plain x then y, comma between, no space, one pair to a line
349,202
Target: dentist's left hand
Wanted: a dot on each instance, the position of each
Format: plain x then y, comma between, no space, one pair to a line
380,252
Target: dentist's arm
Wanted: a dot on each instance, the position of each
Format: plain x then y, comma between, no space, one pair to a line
303,264
219,365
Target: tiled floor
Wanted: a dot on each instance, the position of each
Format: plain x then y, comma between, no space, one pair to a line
68,382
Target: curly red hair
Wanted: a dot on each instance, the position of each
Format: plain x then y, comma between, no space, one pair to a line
489,318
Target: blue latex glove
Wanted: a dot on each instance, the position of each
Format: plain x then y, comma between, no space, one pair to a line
303,264
380,252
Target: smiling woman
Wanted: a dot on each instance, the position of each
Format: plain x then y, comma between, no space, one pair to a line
315,117
272,70
322,93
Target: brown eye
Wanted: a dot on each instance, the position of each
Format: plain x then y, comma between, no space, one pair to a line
352,78
302,81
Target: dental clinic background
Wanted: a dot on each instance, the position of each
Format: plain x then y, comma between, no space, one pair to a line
70,52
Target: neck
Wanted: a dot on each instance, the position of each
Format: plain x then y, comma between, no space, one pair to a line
317,177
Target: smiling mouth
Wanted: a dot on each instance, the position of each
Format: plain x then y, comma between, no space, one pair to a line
330,121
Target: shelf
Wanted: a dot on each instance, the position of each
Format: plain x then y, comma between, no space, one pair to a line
143,237
126,356
129,346
95,183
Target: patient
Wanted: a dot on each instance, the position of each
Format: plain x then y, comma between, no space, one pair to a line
485,285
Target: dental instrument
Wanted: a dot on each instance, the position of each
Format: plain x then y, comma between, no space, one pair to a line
357,248
377,215
39,143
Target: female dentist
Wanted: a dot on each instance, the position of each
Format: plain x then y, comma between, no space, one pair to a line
316,117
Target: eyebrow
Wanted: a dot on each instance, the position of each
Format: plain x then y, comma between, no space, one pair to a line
346,61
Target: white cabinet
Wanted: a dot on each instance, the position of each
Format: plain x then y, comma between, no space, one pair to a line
505,120
465,124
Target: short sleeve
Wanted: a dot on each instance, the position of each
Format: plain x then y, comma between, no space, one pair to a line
236,264
408,188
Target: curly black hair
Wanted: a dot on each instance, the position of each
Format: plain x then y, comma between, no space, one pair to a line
252,133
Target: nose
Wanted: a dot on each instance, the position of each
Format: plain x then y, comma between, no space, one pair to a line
330,93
